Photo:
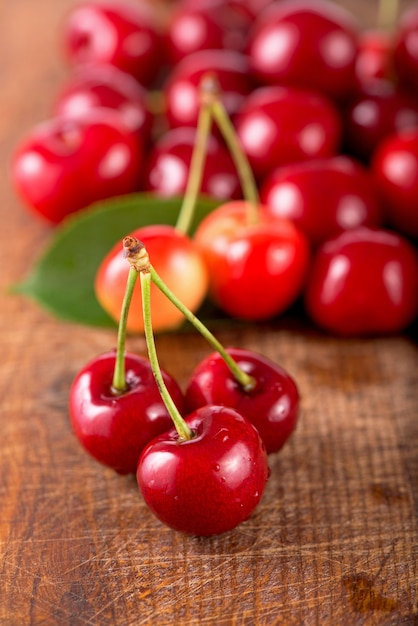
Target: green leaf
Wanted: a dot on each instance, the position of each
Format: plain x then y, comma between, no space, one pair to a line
62,280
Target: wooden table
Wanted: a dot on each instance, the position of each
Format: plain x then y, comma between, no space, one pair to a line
334,539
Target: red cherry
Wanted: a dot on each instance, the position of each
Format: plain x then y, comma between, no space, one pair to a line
92,87
279,125
395,169
114,428
168,166
364,282
405,54
123,34
305,44
209,484
374,56
256,270
323,197
175,258
272,406
64,165
181,89
376,112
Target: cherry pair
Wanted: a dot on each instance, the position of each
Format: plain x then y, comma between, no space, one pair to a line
240,407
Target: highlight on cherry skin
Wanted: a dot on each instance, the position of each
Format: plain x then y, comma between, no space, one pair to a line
178,262
210,483
271,405
114,426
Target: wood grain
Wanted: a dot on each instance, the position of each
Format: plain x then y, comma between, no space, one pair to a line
334,541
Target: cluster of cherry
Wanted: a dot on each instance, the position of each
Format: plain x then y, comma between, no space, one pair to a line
325,113
203,474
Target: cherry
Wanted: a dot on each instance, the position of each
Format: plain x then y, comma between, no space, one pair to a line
96,86
271,405
169,162
63,165
374,58
296,192
395,170
378,110
257,270
210,483
123,34
306,44
363,282
176,259
181,90
214,456
278,125
213,25
114,427
405,54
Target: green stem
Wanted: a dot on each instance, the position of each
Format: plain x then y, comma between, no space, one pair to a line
246,176
197,165
387,14
245,380
182,428
119,380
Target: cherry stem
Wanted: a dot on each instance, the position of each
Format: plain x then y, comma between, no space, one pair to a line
387,14
119,385
182,428
245,173
246,381
197,163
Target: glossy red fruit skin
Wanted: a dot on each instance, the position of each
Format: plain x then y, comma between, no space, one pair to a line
64,165
364,282
323,197
312,45
256,271
405,54
378,110
395,169
114,429
93,87
181,88
211,483
272,406
280,125
168,165
123,34
178,262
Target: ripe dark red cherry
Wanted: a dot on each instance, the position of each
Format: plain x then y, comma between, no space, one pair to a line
92,87
395,170
305,44
256,270
378,110
272,406
181,89
279,125
210,483
364,282
323,197
114,428
123,34
168,166
64,165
